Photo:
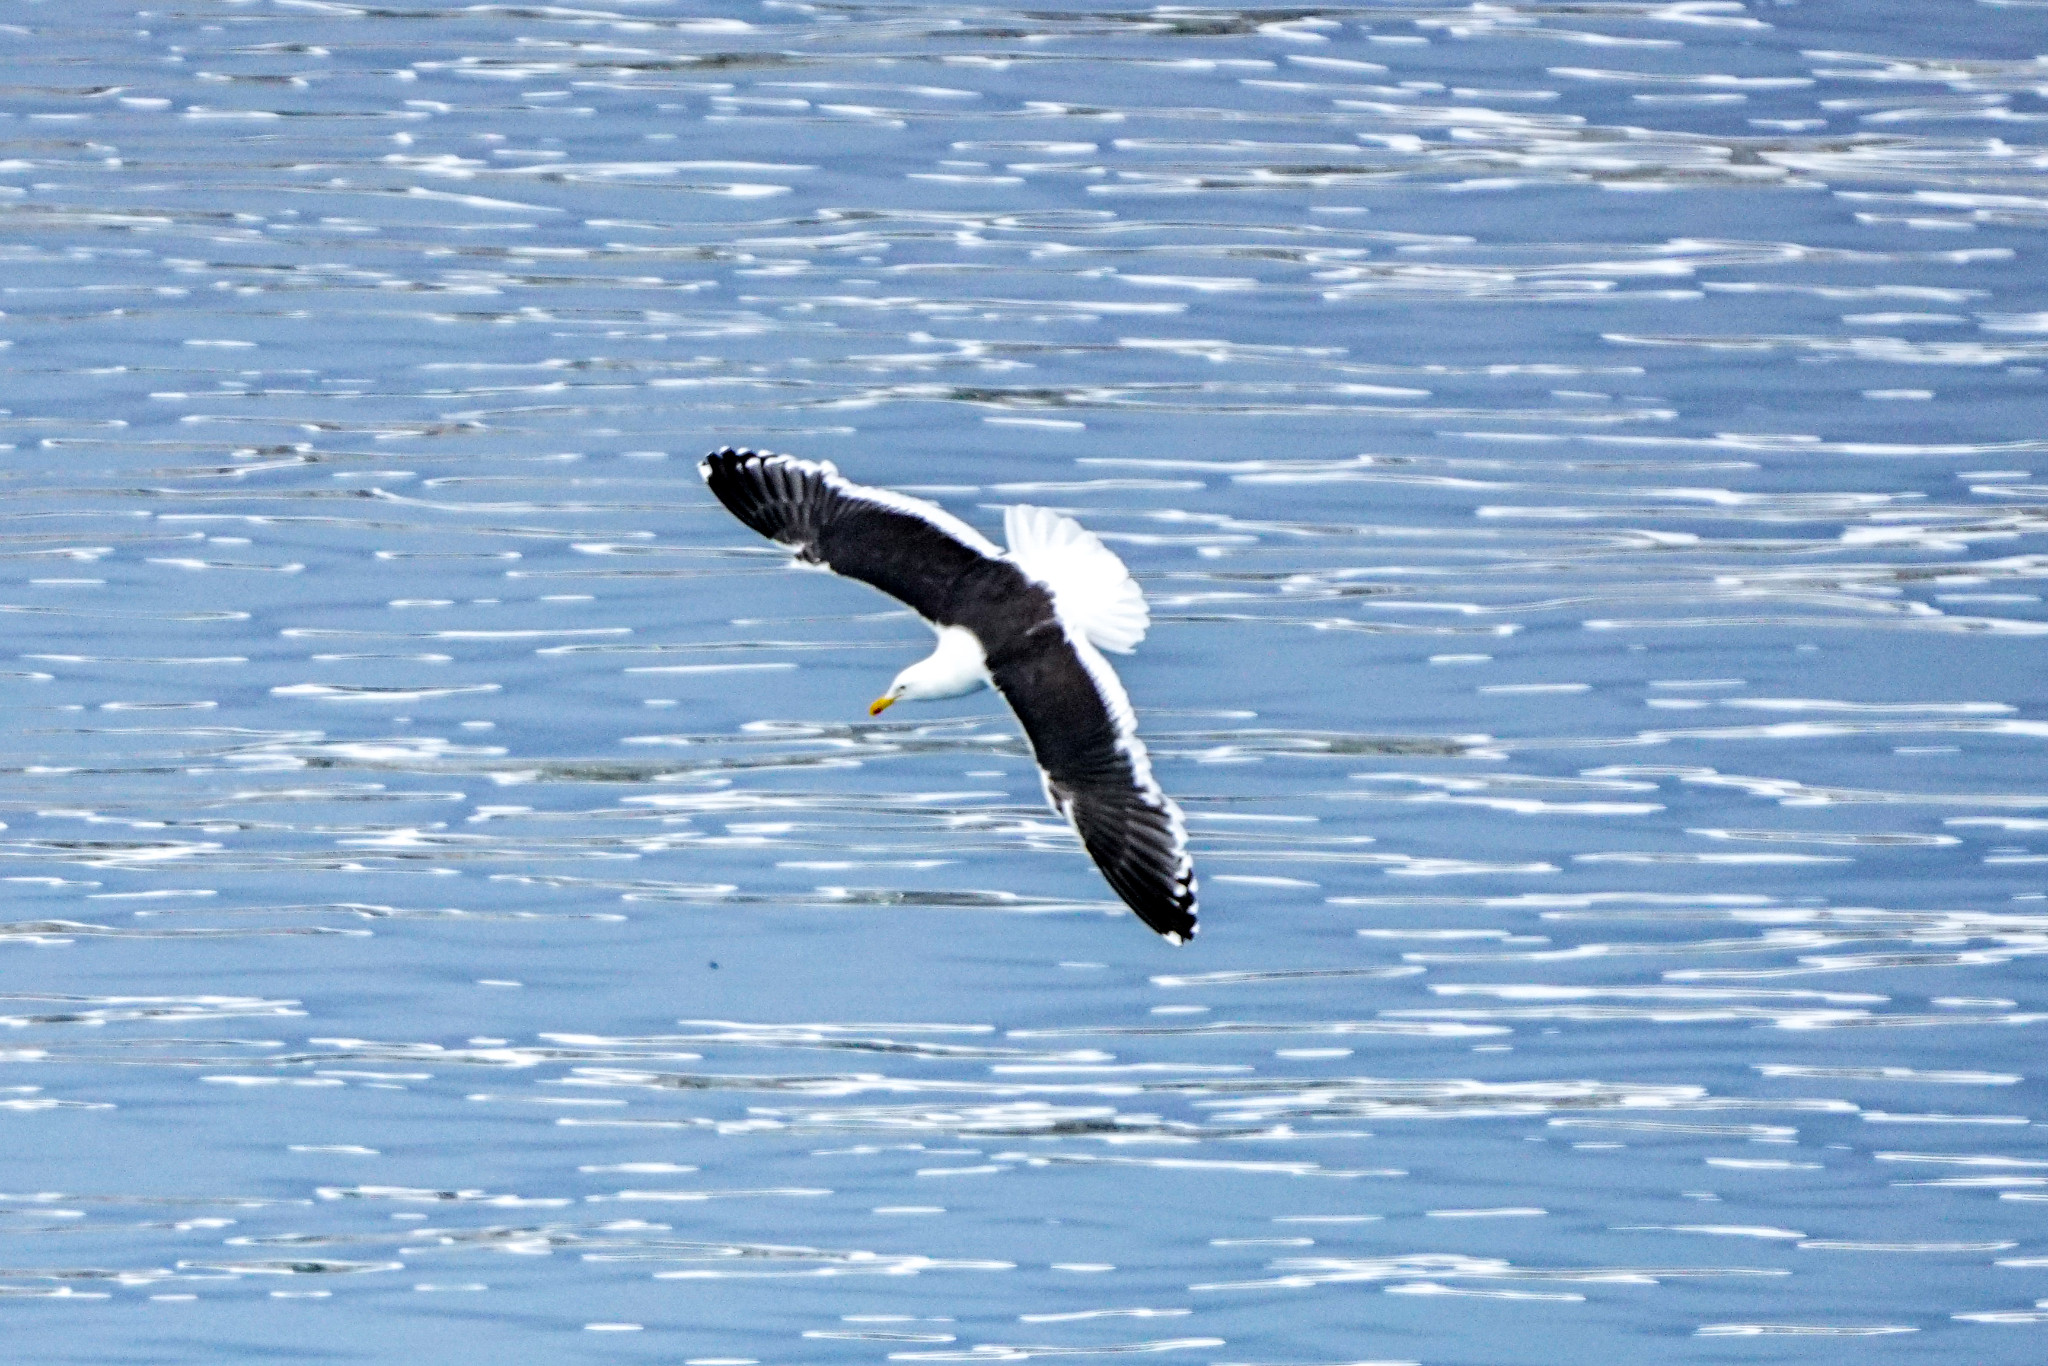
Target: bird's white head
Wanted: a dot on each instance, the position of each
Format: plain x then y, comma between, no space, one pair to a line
957,667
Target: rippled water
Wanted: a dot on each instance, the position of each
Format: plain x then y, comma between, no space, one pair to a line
1582,458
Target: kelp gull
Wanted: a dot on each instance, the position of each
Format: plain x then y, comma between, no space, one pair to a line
1032,621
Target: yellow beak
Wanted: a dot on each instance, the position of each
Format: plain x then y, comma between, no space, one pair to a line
880,705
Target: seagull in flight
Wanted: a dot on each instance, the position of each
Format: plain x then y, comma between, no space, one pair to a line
1030,621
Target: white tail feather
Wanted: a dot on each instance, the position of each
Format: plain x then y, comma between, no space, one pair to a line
1092,590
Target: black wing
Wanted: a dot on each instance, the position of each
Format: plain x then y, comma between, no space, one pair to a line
1097,774
910,549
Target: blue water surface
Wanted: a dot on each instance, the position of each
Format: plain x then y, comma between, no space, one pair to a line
1581,461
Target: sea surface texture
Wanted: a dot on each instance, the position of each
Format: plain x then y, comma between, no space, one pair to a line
1586,462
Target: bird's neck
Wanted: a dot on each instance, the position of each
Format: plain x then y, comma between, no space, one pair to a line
956,667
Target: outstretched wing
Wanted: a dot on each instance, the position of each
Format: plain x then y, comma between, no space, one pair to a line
1085,737
910,549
